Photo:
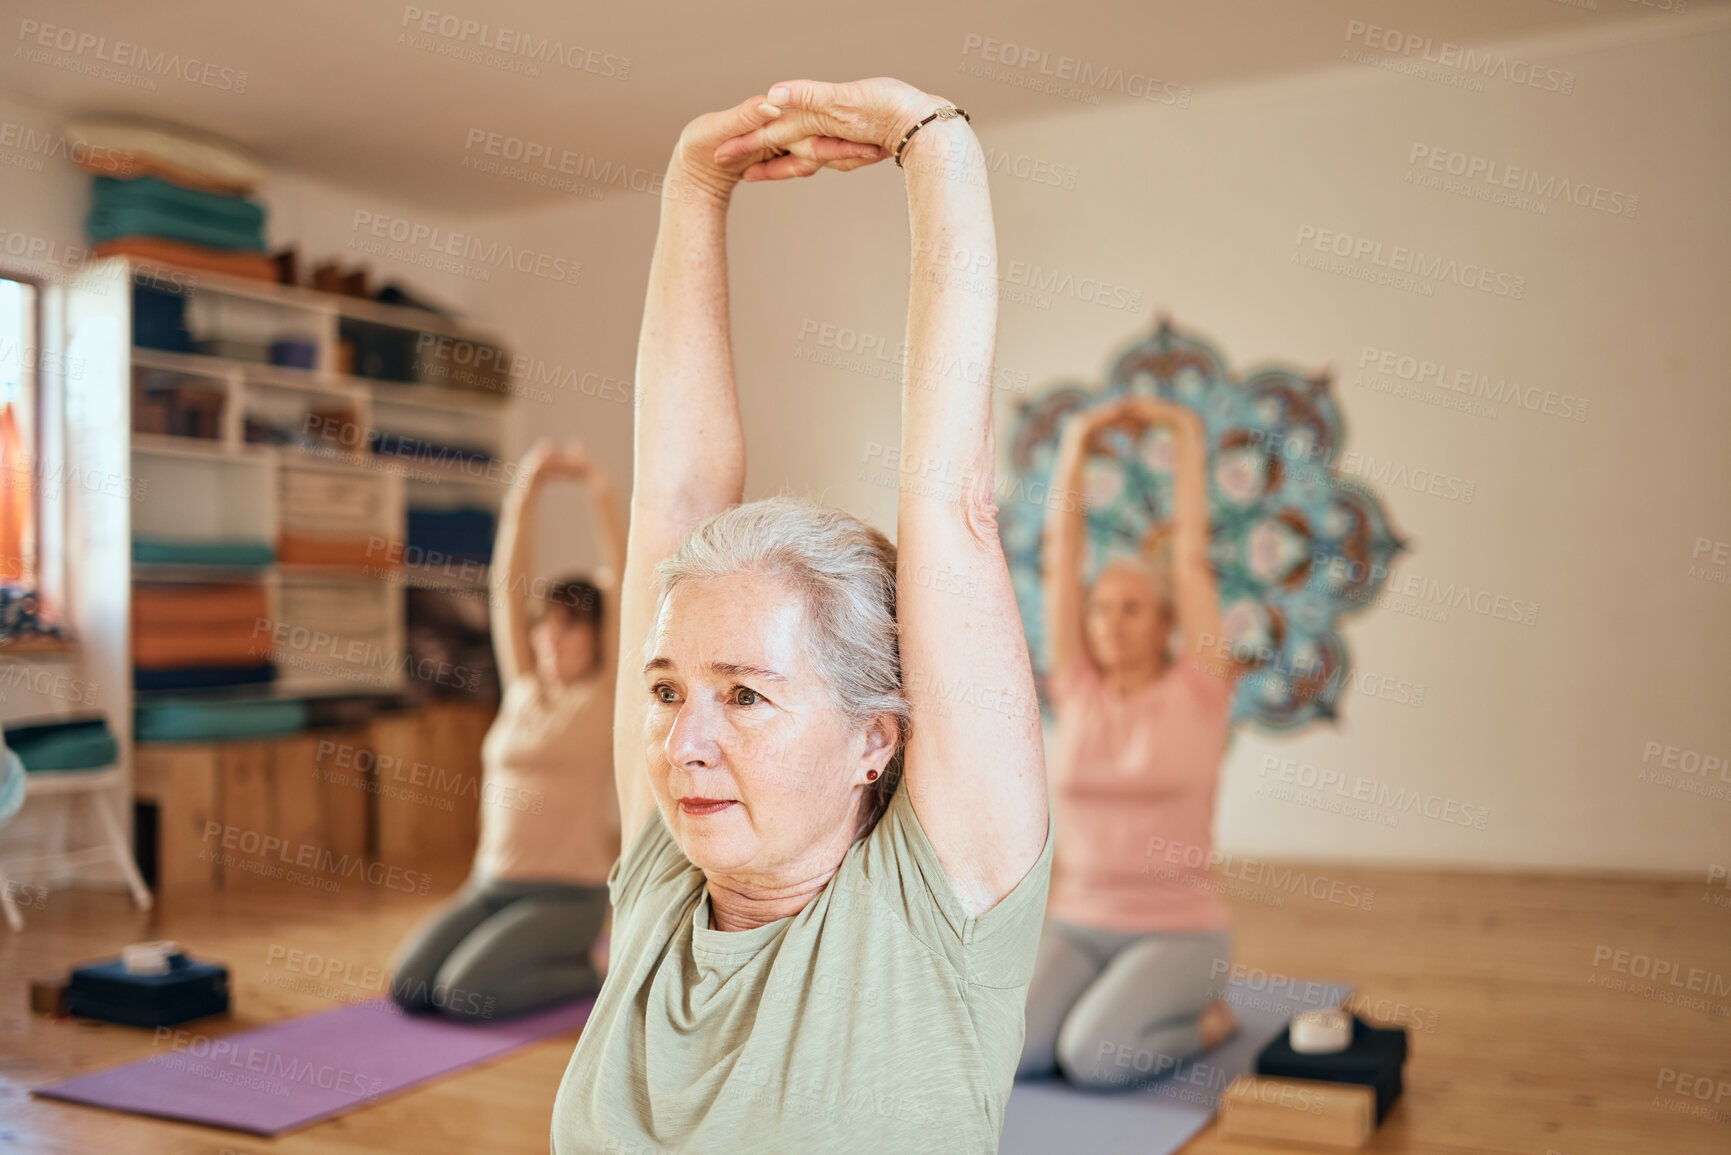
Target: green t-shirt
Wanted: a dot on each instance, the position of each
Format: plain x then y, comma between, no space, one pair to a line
879,1018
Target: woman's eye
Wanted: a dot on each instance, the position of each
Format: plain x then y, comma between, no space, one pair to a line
744,696
664,693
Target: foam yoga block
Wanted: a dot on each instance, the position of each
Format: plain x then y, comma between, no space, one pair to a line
1373,1060
1257,1109
108,991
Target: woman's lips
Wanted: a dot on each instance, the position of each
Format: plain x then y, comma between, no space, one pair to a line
702,806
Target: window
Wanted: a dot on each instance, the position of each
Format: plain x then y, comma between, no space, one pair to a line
19,476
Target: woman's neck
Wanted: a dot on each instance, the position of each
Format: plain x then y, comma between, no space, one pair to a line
737,906
1127,679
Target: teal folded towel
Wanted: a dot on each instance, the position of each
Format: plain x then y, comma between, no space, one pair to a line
194,721
154,551
84,744
148,192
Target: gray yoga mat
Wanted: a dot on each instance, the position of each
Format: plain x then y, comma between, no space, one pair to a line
1156,1117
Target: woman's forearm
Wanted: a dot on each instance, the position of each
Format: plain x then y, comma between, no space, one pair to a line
690,448
952,309
1190,501
508,580
1061,549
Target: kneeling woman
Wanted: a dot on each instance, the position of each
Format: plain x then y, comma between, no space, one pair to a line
1136,940
517,935
832,784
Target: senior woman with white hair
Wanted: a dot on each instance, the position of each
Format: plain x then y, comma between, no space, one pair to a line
833,793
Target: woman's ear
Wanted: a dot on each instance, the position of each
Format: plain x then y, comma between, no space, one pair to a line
878,747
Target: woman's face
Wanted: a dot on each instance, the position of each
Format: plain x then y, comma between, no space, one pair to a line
1126,622
565,650
757,775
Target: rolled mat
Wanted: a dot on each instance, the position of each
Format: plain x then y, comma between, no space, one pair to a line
282,1077
314,549
202,677
193,721
1156,1115
246,554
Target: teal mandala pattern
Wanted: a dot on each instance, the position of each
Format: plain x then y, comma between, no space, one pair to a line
1295,546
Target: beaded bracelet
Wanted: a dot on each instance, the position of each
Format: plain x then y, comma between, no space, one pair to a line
945,112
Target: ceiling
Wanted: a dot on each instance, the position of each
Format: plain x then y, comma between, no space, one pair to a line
355,92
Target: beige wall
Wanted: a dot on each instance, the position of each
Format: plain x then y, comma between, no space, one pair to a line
1541,729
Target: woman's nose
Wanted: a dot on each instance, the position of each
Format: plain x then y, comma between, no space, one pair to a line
691,741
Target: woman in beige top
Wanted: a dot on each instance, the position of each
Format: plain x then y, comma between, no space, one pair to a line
517,935
829,765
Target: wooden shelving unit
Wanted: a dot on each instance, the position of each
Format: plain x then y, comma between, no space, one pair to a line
224,487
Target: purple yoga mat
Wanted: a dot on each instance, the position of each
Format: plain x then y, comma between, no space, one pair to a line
277,1078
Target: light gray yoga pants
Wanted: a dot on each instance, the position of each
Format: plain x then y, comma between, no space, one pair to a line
502,948
1116,1009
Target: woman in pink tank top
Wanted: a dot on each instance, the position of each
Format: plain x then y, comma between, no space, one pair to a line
1136,938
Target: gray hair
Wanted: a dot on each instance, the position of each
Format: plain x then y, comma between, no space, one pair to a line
845,573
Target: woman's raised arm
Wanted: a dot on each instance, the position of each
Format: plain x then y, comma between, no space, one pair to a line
975,767
689,449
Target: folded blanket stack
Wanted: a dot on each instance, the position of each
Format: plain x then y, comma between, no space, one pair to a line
197,636
168,196
330,518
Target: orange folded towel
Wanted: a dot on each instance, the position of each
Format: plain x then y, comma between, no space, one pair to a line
198,606
314,549
195,258
171,649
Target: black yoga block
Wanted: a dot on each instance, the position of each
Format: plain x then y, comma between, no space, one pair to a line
1372,1060
107,991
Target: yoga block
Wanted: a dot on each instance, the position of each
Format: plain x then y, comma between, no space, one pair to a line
1372,1060
1297,1111
108,991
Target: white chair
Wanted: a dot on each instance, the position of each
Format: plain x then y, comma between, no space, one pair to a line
90,786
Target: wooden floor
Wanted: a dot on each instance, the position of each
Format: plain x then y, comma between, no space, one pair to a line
1519,1048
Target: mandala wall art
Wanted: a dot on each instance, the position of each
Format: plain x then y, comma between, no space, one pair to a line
1295,546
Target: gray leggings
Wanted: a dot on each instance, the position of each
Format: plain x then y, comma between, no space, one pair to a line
502,948
1113,1008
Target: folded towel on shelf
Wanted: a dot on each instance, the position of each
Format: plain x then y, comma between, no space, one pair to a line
202,677
458,534
239,554
196,721
313,549
353,611
179,647
151,207
188,158
197,258
330,504
82,742
199,606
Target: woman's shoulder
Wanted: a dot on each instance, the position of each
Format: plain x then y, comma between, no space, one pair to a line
896,870
652,864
